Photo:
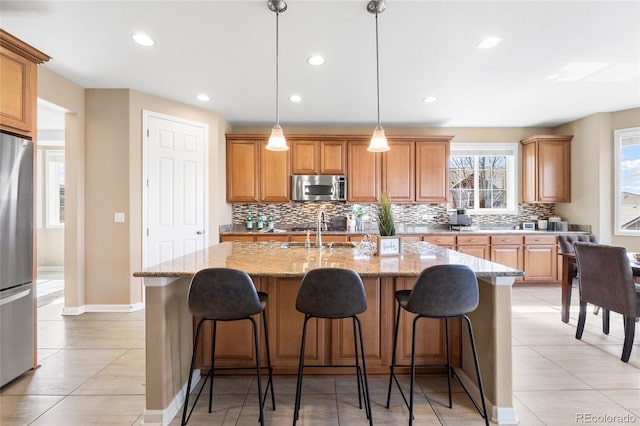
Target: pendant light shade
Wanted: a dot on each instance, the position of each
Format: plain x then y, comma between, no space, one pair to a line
277,141
378,140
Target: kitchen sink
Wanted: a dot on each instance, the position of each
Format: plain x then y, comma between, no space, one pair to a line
293,244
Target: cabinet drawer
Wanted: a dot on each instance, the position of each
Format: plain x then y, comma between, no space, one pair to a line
506,239
442,240
473,240
539,239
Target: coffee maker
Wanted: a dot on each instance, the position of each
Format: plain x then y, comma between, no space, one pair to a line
459,217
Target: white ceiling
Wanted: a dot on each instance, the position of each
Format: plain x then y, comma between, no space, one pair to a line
226,49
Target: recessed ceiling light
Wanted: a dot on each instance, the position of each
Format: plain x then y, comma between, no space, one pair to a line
142,39
429,99
316,60
489,42
202,97
295,98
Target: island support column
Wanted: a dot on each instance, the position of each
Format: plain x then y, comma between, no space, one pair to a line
168,347
491,323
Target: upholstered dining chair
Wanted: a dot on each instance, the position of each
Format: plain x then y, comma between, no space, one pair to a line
606,280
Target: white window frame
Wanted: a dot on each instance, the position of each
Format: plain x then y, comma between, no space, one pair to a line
510,150
624,137
53,159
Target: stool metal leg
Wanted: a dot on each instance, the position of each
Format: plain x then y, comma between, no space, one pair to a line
475,360
446,336
296,408
266,342
413,368
213,360
392,375
256,338
367,399
193,361
358,373
605,321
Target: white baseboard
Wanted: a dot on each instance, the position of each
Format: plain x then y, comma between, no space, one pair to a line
499,415
78,310
165,417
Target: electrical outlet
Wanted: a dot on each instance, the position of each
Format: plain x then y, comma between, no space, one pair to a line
118,217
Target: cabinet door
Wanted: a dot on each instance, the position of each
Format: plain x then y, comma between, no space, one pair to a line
509,255
17,93
375,328
432,171
540,258
285,327
554,171
399,170
333,158
529,173
275,180
446,241
304,157
363,177
474,245
430,342
242,171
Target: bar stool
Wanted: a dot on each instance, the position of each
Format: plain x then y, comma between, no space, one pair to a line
334,293
442,291
223,294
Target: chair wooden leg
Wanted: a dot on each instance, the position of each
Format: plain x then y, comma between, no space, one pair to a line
629,332
581,318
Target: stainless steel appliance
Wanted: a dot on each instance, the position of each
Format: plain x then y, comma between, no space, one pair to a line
318,188
16,257
459,217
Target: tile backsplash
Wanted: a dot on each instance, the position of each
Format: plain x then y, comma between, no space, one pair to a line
295,213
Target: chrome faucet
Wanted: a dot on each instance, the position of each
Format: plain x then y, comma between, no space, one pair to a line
321,222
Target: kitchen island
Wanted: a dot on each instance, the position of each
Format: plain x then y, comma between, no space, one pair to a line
277,269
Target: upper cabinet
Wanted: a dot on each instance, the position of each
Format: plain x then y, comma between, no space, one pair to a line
318,157
546,169
363,172
18,85
417,169
255,174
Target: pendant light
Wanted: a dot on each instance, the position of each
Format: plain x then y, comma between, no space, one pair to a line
277,142
378,140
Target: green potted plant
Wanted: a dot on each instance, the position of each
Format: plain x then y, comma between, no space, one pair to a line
388,243
358,213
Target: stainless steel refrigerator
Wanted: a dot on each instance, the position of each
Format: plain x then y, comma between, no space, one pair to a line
16,257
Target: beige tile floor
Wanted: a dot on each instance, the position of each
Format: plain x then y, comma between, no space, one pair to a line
93,373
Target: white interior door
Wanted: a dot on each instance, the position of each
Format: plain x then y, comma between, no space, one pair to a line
175,189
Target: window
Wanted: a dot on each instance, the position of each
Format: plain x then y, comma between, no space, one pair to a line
482,177
54,188
627,169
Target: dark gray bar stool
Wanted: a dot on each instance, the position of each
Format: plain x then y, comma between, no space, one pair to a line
442,291
222,294
334,293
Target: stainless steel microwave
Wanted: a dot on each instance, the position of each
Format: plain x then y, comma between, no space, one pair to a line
318,188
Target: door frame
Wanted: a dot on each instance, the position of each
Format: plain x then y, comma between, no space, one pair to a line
146,115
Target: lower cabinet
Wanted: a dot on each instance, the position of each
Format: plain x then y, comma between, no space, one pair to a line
507,250
540,258
474,245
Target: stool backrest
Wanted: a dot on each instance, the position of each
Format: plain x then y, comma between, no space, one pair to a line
223,294
331,293
444,290
606,278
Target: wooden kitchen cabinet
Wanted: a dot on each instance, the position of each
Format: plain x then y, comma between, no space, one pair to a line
540,258
546,169
18,85
507,250
363,173
474,245
313,157
446,241
417,169
255,174
432,170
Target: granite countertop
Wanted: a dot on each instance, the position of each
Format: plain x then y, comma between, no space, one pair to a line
273,259
404,229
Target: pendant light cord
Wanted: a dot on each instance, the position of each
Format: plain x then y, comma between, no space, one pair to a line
277,60
377,70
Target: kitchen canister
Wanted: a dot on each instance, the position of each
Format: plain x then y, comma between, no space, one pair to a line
542,224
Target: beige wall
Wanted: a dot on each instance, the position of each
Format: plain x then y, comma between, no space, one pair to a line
70,96
592,173
50,247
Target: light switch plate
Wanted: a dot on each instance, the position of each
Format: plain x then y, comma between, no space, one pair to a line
118,217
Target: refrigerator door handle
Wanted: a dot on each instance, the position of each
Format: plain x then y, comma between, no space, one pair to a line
14,297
